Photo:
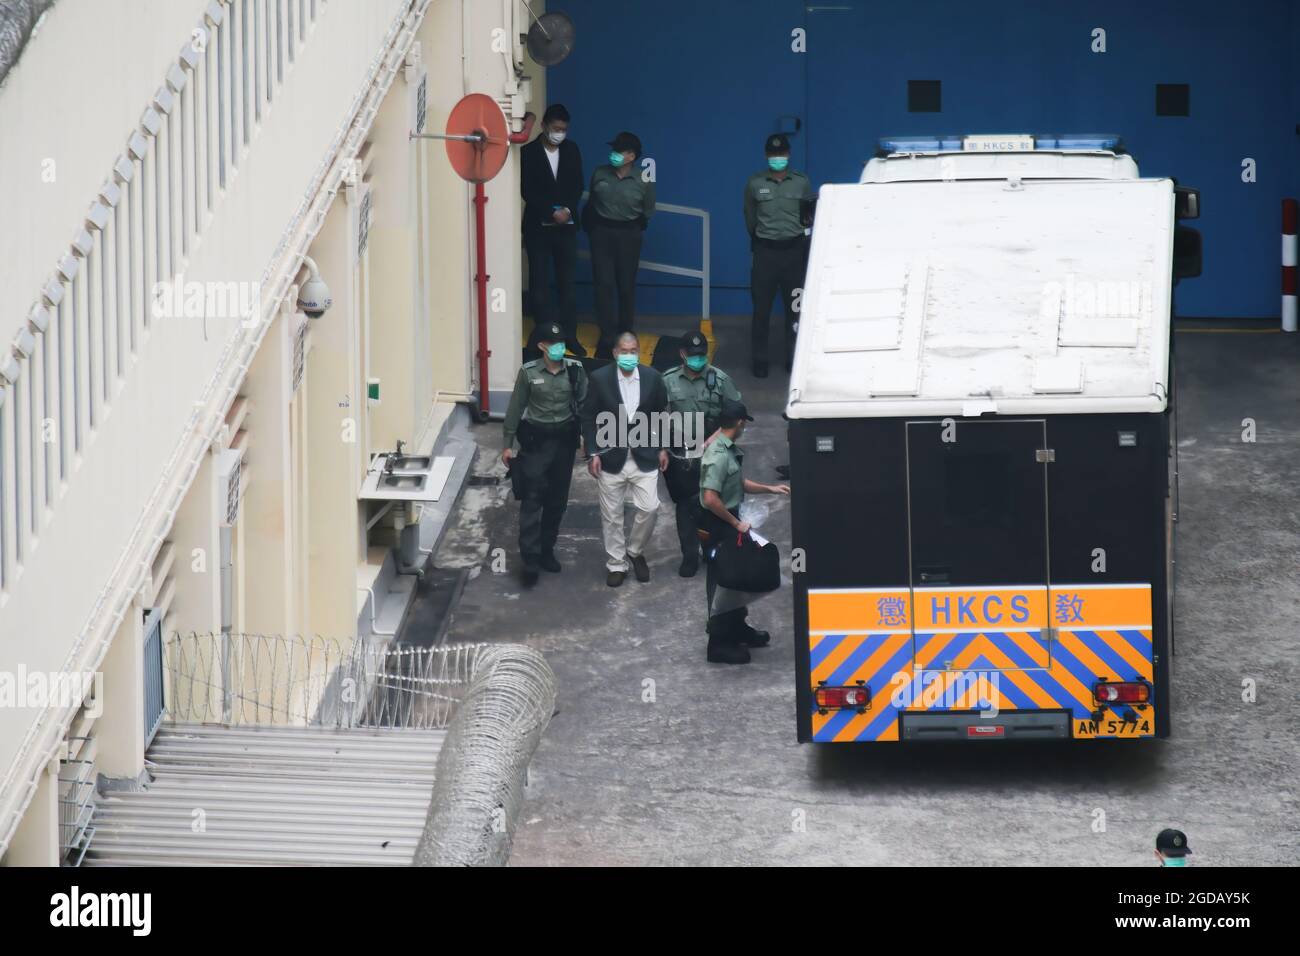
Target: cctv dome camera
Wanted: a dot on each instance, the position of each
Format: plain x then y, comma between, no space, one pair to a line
314,295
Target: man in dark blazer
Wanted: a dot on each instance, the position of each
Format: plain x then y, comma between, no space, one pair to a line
626,432
550,179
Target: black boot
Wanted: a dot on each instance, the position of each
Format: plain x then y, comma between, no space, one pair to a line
724,648
725,652
751,636
548,563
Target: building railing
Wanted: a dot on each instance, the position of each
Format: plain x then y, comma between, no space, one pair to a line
76,799
153,675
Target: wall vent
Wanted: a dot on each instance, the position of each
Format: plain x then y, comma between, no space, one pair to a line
229,477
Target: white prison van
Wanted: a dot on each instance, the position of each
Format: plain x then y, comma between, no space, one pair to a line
980,444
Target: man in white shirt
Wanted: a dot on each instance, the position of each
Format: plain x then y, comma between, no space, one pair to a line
550,181
626,453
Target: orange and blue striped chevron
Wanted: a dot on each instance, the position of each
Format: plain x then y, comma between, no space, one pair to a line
979,666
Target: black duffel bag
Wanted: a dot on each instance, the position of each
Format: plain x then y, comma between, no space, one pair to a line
683,479
742,565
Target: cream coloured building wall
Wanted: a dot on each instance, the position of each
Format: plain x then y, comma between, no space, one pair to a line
143,483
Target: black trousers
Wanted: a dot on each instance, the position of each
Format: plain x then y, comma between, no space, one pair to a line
546,460
615,255
558,247
724,626
683,480
773,271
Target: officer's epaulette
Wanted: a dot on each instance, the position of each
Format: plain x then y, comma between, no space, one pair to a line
673,371
533,363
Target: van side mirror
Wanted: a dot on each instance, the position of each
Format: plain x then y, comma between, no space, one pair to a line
1187,202
1187,253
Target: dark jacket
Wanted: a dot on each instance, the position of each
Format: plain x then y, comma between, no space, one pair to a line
605,398
543,191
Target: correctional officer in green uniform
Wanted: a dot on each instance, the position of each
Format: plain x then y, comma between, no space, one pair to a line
696,391
775,200
617,212
722,488
543,416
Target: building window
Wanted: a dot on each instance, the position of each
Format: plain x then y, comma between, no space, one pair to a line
923,96
1173,99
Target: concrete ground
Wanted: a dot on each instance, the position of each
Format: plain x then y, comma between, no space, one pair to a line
656,757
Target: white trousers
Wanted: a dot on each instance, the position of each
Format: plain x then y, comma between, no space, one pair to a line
643,488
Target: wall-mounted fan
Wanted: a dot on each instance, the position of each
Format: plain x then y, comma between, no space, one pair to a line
550,38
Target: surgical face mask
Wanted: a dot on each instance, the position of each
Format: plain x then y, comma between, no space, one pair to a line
696,363
615,159
555,351
626,361
778,163
1175,861
556,136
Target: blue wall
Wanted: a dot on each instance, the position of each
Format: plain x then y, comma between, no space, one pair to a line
702,83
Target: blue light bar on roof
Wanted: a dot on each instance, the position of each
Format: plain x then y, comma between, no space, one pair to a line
1076,141
937,144
920,144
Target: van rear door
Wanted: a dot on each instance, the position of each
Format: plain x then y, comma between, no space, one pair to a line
977,537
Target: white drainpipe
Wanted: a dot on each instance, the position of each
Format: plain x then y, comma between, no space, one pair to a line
374,630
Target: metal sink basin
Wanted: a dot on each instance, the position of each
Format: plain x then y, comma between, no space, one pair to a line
410,477
409,462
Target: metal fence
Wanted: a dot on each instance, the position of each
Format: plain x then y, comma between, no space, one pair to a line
494,700
478,788
76,799
153,674
273,680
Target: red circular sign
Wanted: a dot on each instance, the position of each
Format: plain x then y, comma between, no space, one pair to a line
478,115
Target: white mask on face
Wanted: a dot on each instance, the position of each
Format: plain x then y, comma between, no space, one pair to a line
556,137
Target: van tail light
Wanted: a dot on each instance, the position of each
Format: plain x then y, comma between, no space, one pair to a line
843,698
1122,692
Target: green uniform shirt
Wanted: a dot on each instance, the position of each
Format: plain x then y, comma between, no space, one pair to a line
543,396
688,395
772,208
720,472
621,198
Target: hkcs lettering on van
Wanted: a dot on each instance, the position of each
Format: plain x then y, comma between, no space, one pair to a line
993,609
